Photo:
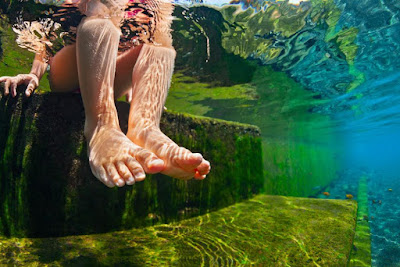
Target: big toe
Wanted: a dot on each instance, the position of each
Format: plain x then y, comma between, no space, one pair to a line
188,160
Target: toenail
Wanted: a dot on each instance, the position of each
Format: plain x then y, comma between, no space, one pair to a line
130,181
119,182
140,175
157,162
198,155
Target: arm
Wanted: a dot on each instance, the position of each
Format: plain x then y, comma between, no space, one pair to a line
31,80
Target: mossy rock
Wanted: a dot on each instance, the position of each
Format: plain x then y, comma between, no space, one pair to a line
47,188
262,231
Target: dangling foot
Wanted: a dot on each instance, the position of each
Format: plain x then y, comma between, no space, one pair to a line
179,162
115,160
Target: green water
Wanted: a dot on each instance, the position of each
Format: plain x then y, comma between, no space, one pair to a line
300,154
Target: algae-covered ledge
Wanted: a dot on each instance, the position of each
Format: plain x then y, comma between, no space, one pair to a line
262,231
47,189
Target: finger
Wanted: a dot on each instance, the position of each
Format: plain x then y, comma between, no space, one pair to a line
13,89
4,78
7,86
30,88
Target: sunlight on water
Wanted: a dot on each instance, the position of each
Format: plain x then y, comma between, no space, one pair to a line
321,78
350,66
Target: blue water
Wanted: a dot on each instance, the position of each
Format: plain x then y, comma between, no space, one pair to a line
367,118
373,133
371,128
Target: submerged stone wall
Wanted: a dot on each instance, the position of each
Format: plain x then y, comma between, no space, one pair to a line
262,231
47,189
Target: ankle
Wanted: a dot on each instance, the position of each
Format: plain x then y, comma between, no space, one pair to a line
140,131
101,121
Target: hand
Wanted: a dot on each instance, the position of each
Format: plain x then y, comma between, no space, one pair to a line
11,83
128,96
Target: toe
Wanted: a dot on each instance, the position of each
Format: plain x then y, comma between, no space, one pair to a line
188,160
101,174
136,169
199,176
125,173
149,161
204,167
154,165
114,175
195,158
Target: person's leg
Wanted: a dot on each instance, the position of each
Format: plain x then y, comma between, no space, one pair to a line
63,76
113,158
151,78
123,75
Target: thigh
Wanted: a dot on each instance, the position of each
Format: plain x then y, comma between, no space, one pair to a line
63,75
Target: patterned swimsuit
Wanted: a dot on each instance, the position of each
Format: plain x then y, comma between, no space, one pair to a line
137,20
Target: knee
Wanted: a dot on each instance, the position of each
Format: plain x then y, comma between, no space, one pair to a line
63,75
159,52
157,58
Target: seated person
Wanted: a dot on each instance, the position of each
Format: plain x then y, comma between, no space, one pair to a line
102,72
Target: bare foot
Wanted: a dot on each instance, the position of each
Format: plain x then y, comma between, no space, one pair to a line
115,160
179,162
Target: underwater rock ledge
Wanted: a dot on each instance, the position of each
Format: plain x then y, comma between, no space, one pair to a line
262,231
47,188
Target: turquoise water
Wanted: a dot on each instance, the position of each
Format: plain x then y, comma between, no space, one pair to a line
364,116
371,134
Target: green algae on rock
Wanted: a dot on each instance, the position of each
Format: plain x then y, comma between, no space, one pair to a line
264,230
361,252
47,189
